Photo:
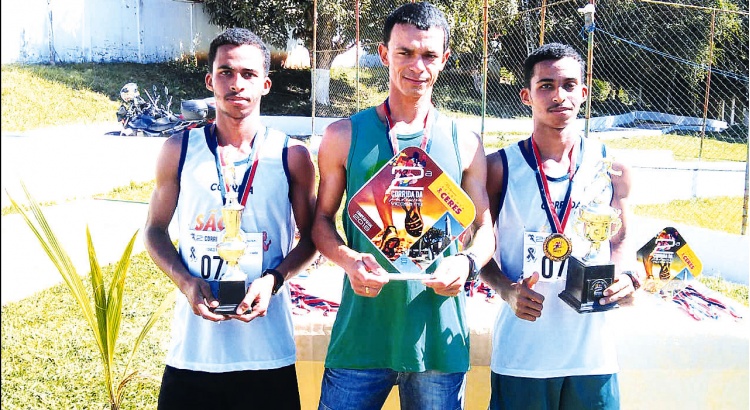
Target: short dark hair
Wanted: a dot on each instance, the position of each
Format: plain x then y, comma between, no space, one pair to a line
422,15
238,36
550,51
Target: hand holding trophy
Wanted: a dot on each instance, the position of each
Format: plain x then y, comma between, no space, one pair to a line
231,247
596,223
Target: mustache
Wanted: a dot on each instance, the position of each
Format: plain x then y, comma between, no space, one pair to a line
232,94
556,106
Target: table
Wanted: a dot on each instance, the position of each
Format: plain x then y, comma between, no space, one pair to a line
667,359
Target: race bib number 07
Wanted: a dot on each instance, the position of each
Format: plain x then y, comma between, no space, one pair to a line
204,256
534,259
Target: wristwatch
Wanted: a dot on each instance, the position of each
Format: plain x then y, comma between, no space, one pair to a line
473,267
278,279
633,278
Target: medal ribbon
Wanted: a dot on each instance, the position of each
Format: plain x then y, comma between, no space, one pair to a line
246,187
393,138
541,179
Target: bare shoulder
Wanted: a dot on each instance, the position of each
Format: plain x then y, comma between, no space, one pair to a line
336,140
495,171
298,154
470,147
619,166
171,151
468,139
174,141
494,158
621,179
341,129
297,147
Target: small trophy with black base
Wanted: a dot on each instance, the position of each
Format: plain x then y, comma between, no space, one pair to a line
586,277
231,247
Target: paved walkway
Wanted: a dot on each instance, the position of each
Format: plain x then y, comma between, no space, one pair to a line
80,161
68,166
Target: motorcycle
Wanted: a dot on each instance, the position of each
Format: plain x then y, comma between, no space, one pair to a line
154,118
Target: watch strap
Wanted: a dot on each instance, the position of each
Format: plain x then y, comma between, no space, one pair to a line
633,278
278,279
473,267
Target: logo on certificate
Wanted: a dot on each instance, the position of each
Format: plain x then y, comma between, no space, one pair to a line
411,211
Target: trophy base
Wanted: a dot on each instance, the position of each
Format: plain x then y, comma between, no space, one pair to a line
585,284
231,293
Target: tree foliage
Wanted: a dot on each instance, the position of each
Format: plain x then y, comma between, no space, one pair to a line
274,21
278,20
649,37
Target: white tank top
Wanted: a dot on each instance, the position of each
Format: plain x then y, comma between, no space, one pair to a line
266,342
561,342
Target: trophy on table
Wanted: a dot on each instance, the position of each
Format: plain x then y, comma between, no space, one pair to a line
231,247
587,278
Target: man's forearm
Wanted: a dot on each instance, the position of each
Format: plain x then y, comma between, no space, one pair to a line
330,244
165,256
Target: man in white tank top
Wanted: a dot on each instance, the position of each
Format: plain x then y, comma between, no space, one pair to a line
545,354
245,358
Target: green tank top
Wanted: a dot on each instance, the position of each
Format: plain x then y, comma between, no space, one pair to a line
407,328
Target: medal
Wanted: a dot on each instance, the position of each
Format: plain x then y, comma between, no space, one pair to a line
557,247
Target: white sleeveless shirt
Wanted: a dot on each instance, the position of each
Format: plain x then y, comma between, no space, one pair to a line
266,342
561,342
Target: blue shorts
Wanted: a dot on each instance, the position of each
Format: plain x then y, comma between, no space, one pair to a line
344,389
600,392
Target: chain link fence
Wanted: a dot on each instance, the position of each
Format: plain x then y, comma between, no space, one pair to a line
668,82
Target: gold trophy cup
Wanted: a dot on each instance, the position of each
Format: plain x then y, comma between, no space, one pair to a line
587,278
231,247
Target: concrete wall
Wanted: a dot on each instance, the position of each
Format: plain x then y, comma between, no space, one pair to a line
75,31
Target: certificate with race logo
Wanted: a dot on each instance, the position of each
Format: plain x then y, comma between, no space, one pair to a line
665,257
411,211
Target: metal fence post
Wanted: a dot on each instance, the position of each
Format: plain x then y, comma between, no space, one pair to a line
314,65
708,82
356,52
485,71
588,13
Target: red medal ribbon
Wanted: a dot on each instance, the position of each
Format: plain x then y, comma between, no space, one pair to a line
393,138
247,182
558,226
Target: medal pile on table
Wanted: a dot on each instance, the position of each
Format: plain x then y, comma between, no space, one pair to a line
671,266
304,303
700,306
478,287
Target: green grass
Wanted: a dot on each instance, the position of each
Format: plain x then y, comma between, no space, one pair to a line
27,100
49,357
718,213
37,96
732,290
134,192
7,210
685,147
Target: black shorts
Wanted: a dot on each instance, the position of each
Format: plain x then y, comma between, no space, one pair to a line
250,389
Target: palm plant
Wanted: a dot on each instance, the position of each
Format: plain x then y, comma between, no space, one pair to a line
105,314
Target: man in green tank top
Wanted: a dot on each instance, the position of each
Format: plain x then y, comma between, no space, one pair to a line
410,333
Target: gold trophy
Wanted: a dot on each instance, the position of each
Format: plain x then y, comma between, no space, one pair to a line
596,223
231,247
